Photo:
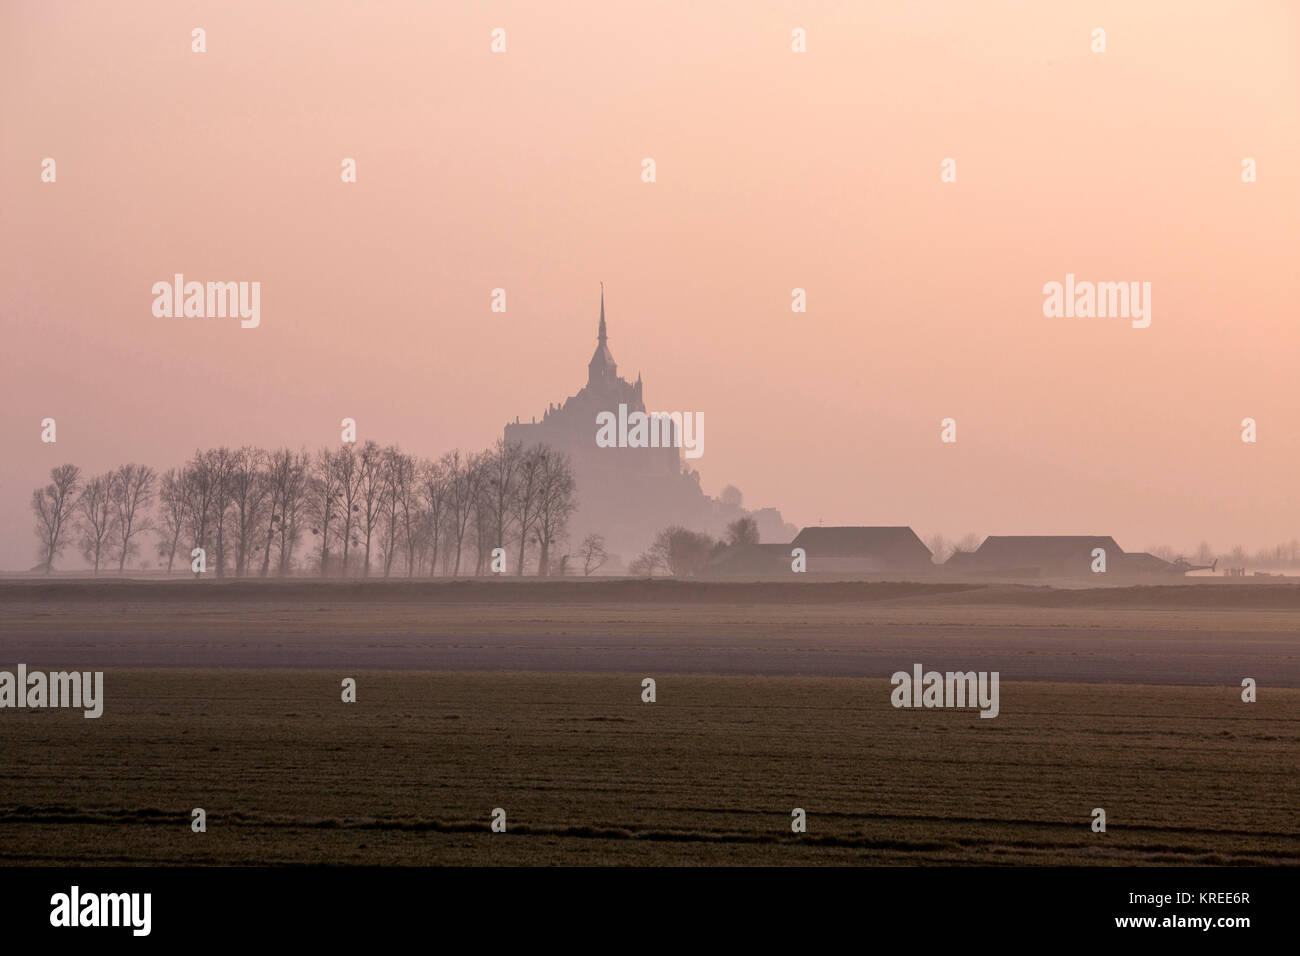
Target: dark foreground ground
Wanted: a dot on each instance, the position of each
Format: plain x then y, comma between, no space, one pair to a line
228,699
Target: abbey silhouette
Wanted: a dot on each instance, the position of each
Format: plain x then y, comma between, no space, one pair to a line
628,494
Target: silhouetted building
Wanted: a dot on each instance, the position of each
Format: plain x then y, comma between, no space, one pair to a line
627,494
571,426
863,550
1052,556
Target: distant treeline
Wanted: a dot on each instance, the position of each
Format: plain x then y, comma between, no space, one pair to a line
353,511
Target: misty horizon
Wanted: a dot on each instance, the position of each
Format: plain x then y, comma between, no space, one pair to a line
924,297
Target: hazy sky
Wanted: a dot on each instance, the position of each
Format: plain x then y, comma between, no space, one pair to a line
775,170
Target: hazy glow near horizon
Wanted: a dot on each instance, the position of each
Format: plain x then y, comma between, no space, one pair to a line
775,170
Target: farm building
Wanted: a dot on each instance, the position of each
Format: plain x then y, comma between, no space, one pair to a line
863,550
1052,556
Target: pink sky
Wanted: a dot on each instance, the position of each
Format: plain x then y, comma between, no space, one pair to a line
775,170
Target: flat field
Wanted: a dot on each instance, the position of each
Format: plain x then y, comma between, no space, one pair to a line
231,702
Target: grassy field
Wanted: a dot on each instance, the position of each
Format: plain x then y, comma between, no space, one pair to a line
588,774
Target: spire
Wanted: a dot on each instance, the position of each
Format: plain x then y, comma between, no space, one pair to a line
602,370
602,314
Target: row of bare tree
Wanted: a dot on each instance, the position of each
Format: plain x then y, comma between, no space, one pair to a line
354,510
106,513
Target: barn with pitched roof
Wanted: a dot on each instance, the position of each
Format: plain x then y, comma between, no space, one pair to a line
1051,556
863,550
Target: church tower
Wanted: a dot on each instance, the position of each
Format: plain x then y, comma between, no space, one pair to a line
602,370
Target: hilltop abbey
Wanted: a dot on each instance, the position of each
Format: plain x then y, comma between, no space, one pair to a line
627,494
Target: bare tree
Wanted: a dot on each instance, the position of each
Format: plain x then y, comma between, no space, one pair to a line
398,470
172,513
433,488
371,489
349,486
464,475
501,472
293,510
679,551
939,548
404,475
1162,551
250,491
53,506
643,564
222,463
131,493
287,476
199,491
95,518
482,523
742,531
324,501
593,554
526,499
556,502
